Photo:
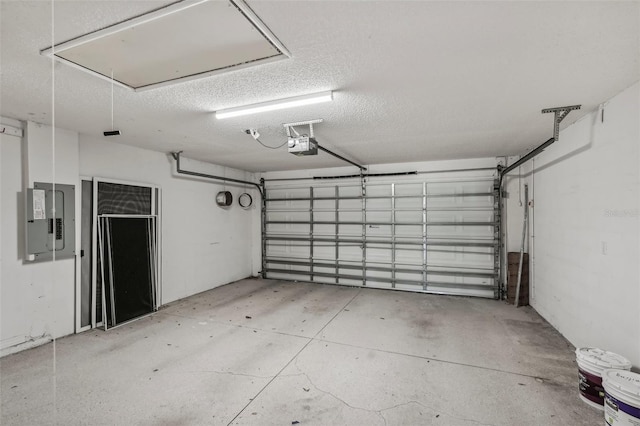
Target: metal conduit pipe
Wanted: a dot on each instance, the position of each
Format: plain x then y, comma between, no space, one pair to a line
179,170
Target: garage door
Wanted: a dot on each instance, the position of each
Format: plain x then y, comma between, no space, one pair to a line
421,232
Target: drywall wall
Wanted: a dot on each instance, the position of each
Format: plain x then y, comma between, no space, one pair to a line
203,245
584,234
36,299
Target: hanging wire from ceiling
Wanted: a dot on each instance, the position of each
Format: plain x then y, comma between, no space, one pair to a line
113,131
271,147
255,135
112,99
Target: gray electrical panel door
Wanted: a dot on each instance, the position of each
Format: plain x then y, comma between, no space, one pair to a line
50,216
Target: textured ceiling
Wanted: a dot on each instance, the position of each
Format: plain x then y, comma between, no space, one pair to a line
413,81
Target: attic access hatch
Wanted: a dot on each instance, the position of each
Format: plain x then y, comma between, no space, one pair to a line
180,42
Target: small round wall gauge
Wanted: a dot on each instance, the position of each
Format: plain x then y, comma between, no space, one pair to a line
245,200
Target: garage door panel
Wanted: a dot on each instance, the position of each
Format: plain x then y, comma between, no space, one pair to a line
413,188
378,230
460,216
413,234
323,216
460,232
324,191
346,230
324,230
289,252
324,254
408,257
456,259
408,216
291,216
373,274
350,253
294,229
409,230
349,204
378,216
379,255
353,215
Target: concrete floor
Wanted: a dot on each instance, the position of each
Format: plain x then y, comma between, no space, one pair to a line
275,353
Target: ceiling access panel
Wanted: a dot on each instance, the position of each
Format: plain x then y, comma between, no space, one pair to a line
180,42
413,233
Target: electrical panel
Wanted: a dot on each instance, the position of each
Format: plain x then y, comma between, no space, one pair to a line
50,227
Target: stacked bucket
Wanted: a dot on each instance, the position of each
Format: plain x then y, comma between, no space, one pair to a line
606,383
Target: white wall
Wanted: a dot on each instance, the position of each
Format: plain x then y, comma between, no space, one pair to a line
36,299
584,245
203,245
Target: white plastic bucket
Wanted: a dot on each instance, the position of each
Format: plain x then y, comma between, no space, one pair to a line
592,362
622,398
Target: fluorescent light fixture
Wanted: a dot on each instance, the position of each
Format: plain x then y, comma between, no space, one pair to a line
295,101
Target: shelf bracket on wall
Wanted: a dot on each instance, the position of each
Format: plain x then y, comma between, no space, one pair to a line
559,114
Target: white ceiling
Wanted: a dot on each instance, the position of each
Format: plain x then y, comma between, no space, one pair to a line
413,81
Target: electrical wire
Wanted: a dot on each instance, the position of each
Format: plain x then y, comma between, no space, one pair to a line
271,147
255,136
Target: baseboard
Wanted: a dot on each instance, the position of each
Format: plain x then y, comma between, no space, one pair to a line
21,343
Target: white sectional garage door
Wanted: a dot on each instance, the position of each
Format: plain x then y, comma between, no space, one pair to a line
422,232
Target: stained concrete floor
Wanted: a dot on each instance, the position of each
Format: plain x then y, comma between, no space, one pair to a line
263,352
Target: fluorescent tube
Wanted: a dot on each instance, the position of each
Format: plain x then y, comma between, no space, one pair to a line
295,101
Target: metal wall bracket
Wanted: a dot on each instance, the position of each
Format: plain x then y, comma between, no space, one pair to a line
290,126
559,114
